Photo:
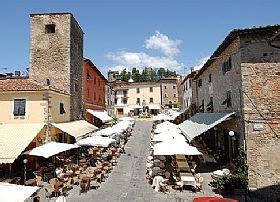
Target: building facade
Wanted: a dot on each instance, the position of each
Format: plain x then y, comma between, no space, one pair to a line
242,76
187,89
169,92
110,99
56,55
94,84
132,97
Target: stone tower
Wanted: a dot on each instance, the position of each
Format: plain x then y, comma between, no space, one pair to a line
56,55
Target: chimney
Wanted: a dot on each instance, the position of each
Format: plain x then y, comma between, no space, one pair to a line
9,74
17,73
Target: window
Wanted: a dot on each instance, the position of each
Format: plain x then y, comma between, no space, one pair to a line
226,66
165,95
125,93
209,107
174,87
116,101
210,78
137,90
151,89
88,76
138,101
48,82
186,86
124,100
174,95
75,87
19,107
61,108
50,28
229,104
190,83
201,107
164,87
151,100
199,82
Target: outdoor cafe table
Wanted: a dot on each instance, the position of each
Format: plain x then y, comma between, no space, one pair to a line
188,180
183,166
180,157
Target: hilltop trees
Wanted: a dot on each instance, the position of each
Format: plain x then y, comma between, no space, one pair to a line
147,74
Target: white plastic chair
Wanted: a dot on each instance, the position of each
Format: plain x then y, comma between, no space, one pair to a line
226,171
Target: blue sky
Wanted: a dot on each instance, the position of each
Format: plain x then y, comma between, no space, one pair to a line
125,33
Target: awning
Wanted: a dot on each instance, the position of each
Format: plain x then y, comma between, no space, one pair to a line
202,122
51,148
175,147
14,138
76,129
96,141
167,124
16,193
102,115
163,137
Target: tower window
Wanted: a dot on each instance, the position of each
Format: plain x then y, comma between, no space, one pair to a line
61,108
50,28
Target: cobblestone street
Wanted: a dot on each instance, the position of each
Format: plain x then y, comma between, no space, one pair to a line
127,181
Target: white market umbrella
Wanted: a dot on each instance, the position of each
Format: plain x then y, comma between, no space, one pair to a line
49,149
167,124
96,141
175,147
167,137
127,119
15,193
167,130
162,117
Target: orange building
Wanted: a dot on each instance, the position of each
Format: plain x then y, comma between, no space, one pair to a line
93,90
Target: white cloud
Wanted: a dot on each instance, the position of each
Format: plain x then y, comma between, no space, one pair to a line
159,41
201,62
162,42
140,59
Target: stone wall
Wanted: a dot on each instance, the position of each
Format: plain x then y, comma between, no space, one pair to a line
57,57
261,99
76,69
261,89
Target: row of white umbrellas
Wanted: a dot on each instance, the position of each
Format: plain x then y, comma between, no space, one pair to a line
171,141
101,138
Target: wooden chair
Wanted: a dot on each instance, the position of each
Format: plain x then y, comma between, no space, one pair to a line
199,183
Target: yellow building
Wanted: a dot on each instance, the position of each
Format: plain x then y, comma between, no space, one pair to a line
133,96
31,113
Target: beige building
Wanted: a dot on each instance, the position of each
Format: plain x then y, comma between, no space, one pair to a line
241,79
133,96
169,92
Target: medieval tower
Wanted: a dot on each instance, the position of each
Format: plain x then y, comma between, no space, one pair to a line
56,55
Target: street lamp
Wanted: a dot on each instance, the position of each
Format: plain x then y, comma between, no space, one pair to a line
231,133
24,162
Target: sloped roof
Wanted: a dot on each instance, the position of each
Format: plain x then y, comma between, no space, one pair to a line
25,84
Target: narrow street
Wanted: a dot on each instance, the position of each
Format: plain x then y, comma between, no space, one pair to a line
127,182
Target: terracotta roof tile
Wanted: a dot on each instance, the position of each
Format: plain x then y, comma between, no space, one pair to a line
24,84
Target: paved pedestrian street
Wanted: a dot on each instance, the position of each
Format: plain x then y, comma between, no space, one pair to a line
127,181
